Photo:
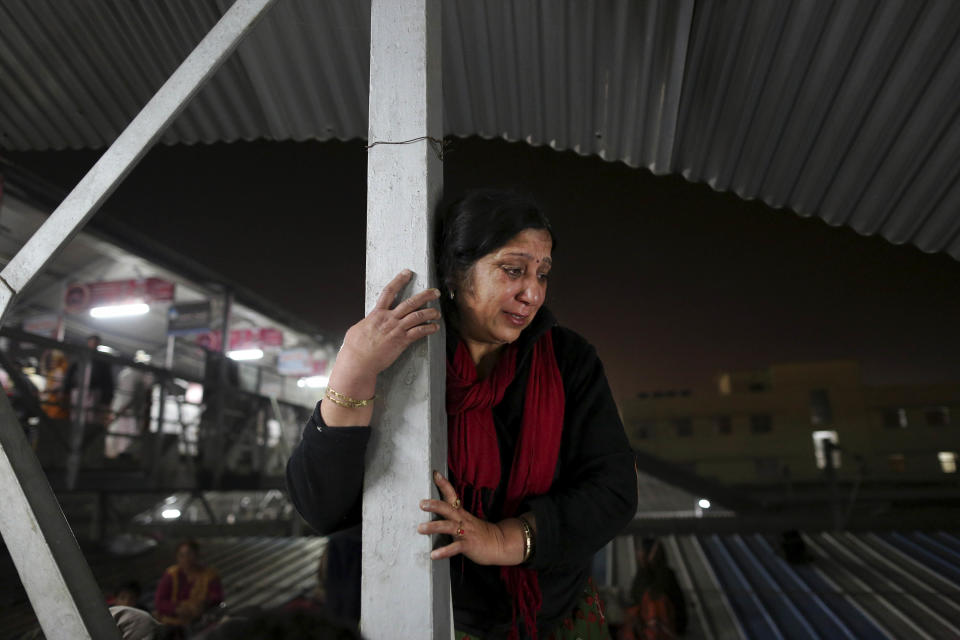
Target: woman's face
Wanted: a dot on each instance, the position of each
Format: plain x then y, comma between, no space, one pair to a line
186,557
503,291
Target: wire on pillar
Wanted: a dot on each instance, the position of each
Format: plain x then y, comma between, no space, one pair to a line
439,146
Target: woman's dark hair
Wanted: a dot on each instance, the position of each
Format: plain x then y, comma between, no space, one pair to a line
653,573
477,224
653,552
132,587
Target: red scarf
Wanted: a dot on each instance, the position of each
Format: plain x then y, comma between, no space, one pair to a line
474,455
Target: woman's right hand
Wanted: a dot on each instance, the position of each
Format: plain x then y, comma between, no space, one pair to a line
374,343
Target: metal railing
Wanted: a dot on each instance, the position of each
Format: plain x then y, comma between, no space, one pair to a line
161,429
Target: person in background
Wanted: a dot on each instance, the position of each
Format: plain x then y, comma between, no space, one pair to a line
100,392
338,579
794,548
127,595
135,624
55,397
131,411
315,599
659,611
187,589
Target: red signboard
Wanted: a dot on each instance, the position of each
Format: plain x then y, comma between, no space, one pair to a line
264,338
81,296
271,337
244,339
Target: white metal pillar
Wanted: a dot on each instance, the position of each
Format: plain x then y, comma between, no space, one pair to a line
63,592
405,594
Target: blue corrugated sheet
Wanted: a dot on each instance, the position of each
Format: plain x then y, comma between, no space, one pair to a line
863,585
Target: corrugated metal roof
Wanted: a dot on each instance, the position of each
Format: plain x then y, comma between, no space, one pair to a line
864,585
659,499
844,110
265,572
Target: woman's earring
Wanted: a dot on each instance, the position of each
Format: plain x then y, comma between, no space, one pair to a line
451,294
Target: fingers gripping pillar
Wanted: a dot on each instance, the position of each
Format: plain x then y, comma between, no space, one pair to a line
404,593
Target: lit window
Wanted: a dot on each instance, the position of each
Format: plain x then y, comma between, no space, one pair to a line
898,464
761,423
948,461
895,419
684,427
937,416
819,449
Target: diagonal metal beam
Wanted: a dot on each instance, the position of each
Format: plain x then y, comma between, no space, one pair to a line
58,581
129,147
61,588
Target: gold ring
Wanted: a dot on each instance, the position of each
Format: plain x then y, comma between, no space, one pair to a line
460,529
456,504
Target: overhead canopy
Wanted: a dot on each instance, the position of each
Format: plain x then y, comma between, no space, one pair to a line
90,258
847,110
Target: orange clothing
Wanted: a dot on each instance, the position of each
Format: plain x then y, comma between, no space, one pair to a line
55,403
653,619
203,591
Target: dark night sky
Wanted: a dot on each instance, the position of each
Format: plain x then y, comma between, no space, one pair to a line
672,281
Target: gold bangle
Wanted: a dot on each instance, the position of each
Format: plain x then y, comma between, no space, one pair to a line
527,539
345,401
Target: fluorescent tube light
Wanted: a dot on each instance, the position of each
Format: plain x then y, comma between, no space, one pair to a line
245,354
313,382
120,310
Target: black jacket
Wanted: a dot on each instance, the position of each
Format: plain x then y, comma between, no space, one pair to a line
101,379
593,495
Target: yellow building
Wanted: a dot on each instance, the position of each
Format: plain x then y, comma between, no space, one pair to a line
761,427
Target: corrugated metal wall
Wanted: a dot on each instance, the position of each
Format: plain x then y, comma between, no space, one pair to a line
844,109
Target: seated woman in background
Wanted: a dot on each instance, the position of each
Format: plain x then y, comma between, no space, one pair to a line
187,589
541,474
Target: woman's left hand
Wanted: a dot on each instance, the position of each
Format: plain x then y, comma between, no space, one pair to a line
481,541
